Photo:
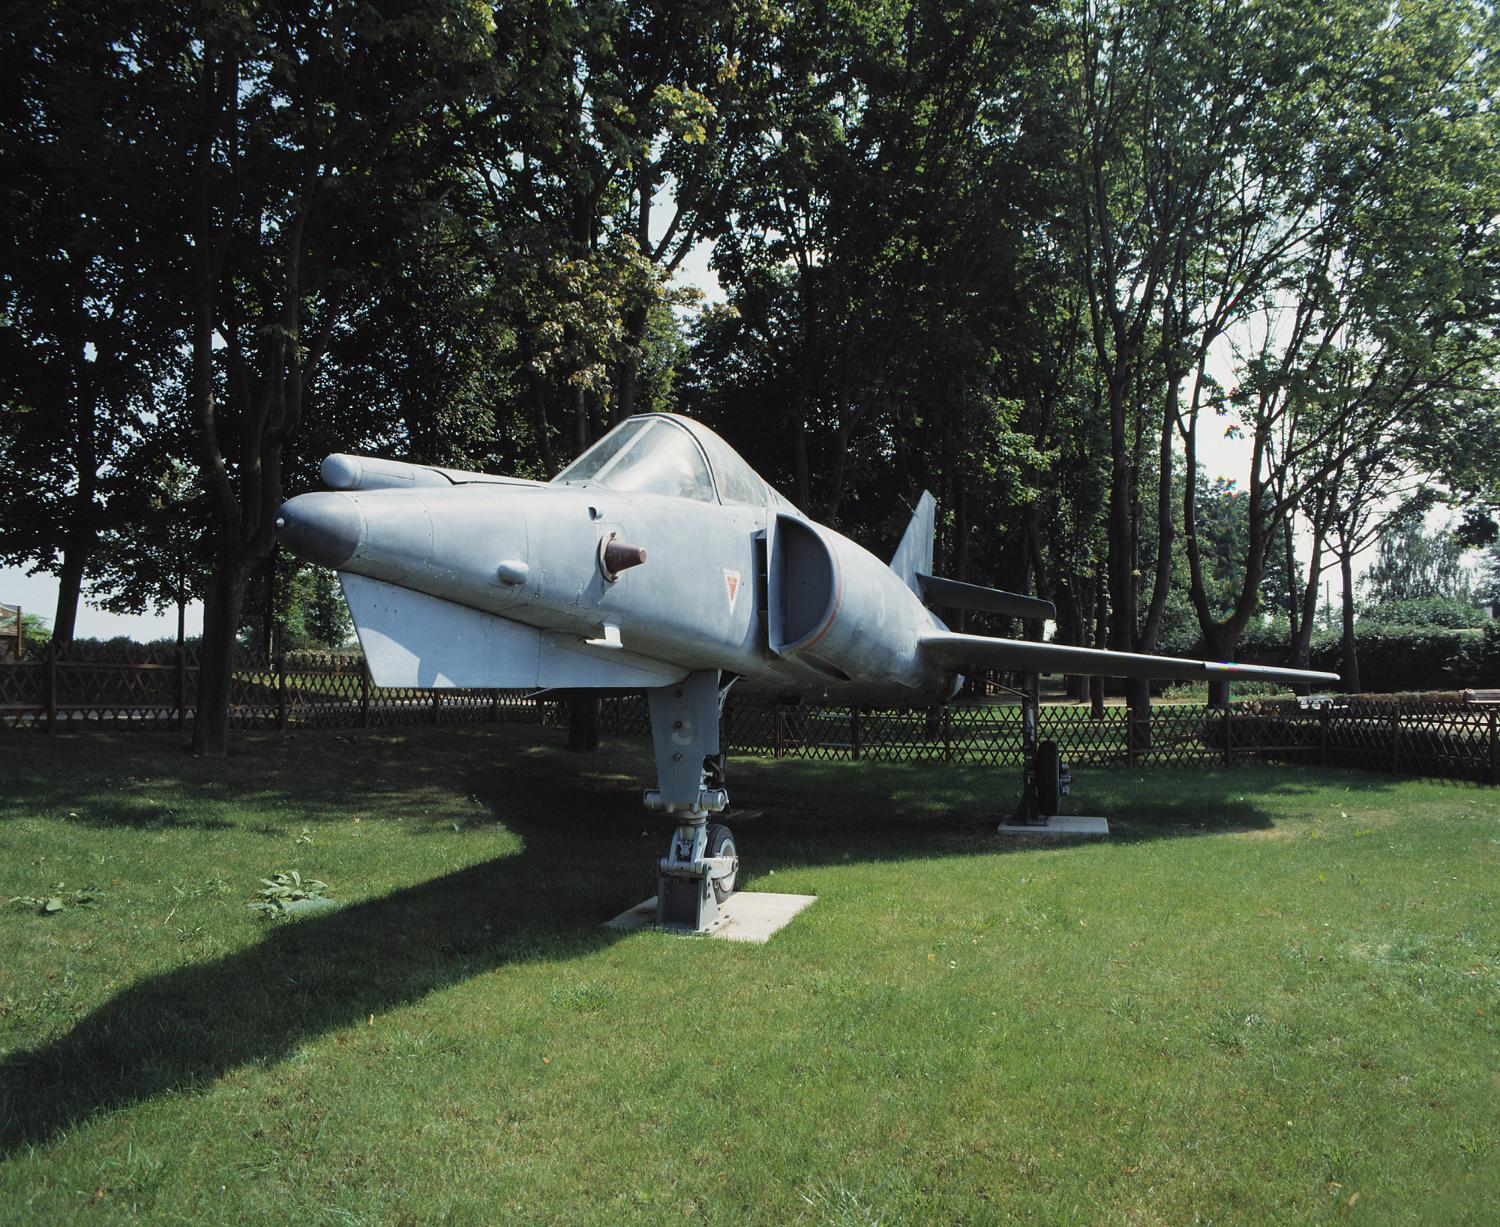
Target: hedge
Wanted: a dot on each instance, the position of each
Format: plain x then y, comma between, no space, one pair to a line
1395,658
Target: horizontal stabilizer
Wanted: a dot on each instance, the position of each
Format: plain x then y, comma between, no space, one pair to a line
955,594
412,639
961,652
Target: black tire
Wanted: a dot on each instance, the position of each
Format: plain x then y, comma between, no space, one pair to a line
1048,778
721,843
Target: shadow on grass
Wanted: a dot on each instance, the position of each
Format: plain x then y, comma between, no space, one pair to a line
186,1028
584,859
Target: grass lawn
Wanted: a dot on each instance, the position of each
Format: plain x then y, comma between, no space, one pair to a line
1273,996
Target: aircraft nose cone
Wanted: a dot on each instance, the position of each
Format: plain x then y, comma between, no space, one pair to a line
325,527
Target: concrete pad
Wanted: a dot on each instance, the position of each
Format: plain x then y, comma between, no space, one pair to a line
746,916
1058,825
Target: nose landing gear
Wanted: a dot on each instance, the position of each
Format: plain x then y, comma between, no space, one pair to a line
701,867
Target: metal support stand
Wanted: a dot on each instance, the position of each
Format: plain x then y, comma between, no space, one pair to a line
1045,778
1029,810
698,873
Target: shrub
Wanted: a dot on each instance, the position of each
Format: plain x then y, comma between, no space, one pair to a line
1427,611
1393,658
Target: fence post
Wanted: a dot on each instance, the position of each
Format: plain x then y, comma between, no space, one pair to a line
364,693
854,730
776,733
281,720
1396,737
494,706
1228,735
1324,715
1130,752
437,707
181,687
947,733
50,682
1494,751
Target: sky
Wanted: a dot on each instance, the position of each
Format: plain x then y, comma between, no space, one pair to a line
1219,455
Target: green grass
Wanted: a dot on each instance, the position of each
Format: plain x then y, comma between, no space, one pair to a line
1273,990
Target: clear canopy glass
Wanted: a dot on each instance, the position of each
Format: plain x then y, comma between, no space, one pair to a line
664,455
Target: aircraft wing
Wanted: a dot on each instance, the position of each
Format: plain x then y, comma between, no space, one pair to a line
960,652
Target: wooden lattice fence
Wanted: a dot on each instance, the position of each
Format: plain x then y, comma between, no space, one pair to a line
122,686
1441,736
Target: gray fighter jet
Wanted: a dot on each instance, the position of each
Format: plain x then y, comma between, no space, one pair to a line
659,561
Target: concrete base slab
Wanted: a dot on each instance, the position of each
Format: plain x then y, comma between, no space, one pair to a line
746,916
1058,824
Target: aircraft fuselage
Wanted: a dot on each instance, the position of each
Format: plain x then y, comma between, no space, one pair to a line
788,606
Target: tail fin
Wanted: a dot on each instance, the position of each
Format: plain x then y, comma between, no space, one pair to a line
913,557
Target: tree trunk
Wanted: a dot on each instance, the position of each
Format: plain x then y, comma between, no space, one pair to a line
1293,605
70,585
1219,643
960,549
635,318
268,614
1350,654
800,467
580,421
1308,617
1096,684
583,722
1121,549
630,364
1071,629
221,622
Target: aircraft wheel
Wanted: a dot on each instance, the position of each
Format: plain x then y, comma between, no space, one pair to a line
1048,778
721,843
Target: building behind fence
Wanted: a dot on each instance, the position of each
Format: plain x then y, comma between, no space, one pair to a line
12,633
1450,736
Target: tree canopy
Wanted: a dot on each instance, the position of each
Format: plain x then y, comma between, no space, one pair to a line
1027,256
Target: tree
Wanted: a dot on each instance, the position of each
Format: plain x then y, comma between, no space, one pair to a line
880,268
90,284
1180,211
1489,583
1413,563
157,554
312,131
300,608
1377,332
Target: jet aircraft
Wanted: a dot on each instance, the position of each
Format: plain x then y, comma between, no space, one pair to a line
659,561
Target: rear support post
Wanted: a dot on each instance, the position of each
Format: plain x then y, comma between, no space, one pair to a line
1044,776
1029,811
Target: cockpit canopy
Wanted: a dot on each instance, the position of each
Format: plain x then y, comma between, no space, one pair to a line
660,453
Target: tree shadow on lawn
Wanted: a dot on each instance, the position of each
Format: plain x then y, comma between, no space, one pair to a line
184,1029
898,812
588,854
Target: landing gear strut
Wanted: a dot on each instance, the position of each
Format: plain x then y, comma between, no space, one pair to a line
701,866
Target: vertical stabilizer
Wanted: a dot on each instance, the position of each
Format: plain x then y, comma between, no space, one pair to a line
914,555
